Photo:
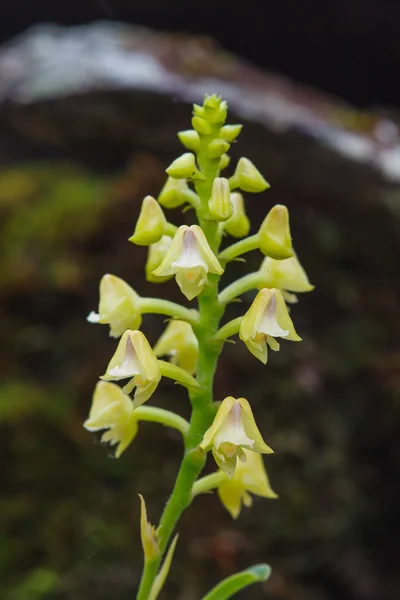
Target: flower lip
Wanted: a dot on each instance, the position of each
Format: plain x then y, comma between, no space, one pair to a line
268,323
130,365
190,255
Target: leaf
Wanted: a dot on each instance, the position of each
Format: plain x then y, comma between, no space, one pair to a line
235,583
163,573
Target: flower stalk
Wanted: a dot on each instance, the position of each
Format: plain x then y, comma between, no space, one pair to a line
193,340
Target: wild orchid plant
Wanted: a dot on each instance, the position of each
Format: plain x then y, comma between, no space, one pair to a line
193,339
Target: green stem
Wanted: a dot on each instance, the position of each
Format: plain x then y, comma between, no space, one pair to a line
229,329
164,417
149,574
246,245
209,482
241,286
170,229
177,374
172,309
205,325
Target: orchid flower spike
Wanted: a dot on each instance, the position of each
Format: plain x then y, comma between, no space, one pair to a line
118,306
233,430
135,359
189,258
266,319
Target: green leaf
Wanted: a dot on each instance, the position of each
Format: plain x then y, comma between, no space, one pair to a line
235,583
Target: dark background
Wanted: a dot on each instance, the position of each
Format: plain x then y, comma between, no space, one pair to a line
328,406
349,47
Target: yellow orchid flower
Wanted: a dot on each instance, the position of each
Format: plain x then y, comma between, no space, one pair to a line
189,258
118,306
151,223
266,319
275,239
250,477
233,429
238,225
112,410
287,275
134,358
247,177
179,342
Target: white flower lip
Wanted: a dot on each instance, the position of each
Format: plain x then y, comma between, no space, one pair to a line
130,366
190,255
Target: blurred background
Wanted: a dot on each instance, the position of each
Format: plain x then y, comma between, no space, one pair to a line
91,97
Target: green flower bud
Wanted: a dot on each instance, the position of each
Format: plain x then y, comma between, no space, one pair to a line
155,255
224,162
198,110
248,178
275,240
175,193
215,109
190,139
220,205
184,167
238,225
230,132
201,126
217,148
150,225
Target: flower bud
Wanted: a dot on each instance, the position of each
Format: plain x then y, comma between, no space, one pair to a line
248,178
238,225
230,132
112,410
232,430
184,167
190,139
198,110
118,306
179,342
250,477
266,319
201,126
148,534
220,205
175,193
275,240
215,109
286,275
217,147
150,225
189,258
155,255
224,162
135,359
